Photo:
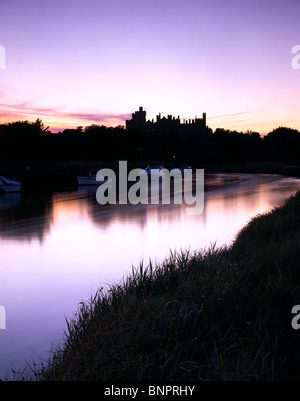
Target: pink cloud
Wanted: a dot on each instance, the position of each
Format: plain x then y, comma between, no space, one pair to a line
27,112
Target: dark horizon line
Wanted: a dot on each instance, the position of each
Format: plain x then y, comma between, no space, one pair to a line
122,126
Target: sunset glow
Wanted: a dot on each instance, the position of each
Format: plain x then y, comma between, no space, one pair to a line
74,63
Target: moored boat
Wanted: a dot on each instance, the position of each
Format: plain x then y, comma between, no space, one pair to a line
156,169
90,179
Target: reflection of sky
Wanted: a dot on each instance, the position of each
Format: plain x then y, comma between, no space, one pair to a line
85,245
81,62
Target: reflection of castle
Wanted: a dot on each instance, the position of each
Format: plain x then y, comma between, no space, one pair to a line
166,125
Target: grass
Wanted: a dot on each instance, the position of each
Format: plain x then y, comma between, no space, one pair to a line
217,314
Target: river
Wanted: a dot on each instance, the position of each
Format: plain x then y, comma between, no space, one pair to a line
57,249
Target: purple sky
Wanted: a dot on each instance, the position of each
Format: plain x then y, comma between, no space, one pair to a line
74,63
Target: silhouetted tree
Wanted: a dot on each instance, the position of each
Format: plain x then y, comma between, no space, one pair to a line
24,141
28,142
282,144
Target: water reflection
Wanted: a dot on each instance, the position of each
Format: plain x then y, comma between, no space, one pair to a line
25,217
56,250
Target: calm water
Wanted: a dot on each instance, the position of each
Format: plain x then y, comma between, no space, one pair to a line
56,250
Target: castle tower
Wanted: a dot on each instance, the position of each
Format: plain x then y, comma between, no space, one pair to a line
138,120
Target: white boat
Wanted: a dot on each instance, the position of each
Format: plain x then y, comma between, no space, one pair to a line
90,179
7,185
189,168
154,169
186,170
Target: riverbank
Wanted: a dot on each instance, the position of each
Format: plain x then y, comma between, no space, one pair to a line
220,314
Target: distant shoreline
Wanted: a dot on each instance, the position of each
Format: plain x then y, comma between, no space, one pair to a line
62,175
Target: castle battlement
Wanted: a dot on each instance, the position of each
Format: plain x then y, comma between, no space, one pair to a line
166,124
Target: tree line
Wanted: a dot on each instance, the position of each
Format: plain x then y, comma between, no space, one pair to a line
25,142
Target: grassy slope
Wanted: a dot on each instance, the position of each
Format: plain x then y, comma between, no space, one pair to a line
222,314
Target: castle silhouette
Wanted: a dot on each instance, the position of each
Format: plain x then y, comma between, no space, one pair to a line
168,124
